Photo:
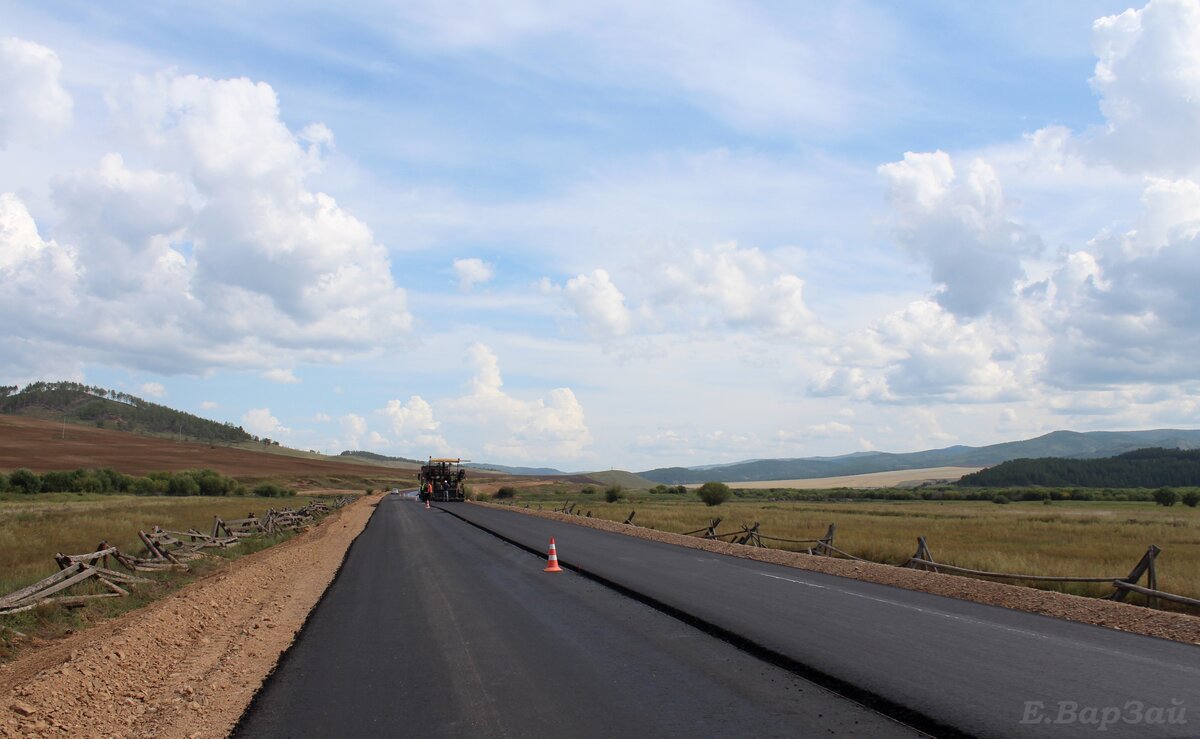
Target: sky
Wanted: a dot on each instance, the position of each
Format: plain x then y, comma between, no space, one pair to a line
609,235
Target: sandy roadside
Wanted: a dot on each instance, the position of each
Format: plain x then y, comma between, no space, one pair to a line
187,665
1121,616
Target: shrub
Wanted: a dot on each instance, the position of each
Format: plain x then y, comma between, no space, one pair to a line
713,493
1190,499
506,492
588,491
213,483
613,493
271,490
1166,497
3,482
681,490
25,480
181,483
145,486
1001,499
59,481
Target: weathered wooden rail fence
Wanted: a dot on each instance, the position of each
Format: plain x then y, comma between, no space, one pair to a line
164,551
1123,585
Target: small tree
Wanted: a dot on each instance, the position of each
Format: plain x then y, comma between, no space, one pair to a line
1190,499
183,484
1166,497
1001,499
506,492
714,493
614,493
25,481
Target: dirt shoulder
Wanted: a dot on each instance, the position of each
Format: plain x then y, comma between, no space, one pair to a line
187,665
1121,616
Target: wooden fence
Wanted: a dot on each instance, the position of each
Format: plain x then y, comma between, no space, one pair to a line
923,559
164,551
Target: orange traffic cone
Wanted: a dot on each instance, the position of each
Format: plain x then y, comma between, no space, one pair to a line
427,504
552,566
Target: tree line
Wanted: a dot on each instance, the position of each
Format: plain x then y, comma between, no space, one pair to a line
108,481
1141,468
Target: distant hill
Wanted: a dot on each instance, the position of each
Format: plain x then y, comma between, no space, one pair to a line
1143,468
379,457
111,409
1065,444
540,471
620,477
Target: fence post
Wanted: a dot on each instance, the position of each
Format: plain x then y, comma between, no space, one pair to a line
1144,564
924,554
629,519
712,528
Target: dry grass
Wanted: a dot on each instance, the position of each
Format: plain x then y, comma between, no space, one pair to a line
34,528
1097,539
864,481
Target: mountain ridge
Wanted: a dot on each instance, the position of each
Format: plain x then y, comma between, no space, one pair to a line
1065,444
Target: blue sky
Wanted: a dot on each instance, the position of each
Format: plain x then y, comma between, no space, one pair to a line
595,235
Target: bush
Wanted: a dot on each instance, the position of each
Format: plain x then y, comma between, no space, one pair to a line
613,493
588,491
146,486
1166,497
181,484
1190,499
25,480
681,490
271,490
3,482
1001,499
713,493
59,481
506,492
213,483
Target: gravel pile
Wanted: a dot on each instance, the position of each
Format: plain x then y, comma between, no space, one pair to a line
187,665
1121,616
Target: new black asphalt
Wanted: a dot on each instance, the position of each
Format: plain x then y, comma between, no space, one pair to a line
435,628
972,668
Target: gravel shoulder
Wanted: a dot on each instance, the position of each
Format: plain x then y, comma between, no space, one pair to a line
1120,616
189,664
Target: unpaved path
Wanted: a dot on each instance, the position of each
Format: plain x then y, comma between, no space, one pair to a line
187,665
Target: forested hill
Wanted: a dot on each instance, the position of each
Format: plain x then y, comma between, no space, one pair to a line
1069,444
1143,468
111,409
378,457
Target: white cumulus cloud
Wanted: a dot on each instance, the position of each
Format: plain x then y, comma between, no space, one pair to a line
33,102
282,376
260,422
473,271
1148,76
153,390
958,225
549,427
598,303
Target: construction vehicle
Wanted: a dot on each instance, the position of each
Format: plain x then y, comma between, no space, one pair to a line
441,480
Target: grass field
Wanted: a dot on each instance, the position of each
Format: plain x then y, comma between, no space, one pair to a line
34,528
1091,539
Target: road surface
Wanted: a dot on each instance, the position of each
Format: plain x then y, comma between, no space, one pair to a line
435,628
960,666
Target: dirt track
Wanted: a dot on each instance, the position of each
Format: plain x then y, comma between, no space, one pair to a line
40,446
185,666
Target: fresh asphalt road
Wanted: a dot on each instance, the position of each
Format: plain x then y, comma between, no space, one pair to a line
436,628
972,668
